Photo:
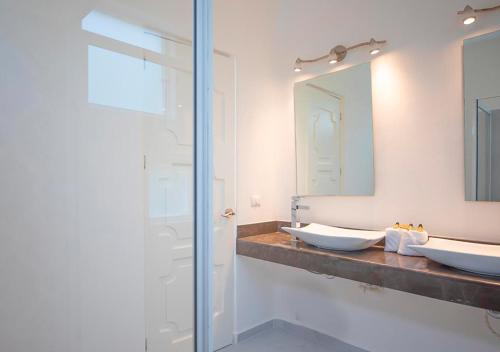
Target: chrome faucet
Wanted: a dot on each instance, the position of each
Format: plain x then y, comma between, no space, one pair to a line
295,206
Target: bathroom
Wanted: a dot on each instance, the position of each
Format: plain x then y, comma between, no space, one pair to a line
127,226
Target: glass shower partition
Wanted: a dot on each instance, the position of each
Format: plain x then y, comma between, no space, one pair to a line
98,142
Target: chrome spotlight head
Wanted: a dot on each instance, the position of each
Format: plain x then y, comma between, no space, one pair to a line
298,65
468,15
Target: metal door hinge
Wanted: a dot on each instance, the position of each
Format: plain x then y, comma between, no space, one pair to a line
146,345
144,161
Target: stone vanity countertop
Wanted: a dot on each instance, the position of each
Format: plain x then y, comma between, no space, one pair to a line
417,275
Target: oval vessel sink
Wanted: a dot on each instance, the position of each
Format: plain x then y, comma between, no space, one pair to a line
337,238
473,257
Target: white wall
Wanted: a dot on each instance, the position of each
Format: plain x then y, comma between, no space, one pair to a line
419,161
244,28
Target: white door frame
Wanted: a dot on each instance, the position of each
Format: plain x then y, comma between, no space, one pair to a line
203,150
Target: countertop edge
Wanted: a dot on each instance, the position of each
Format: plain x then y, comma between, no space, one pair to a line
473,292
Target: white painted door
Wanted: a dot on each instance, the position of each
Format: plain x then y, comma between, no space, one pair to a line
324,127
169,208
224,198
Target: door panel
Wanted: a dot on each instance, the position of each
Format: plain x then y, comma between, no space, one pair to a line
224,198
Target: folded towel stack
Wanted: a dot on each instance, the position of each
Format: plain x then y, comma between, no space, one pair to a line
398,237
419,236
392,238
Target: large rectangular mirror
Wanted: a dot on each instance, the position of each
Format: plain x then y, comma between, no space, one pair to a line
482,117
334,133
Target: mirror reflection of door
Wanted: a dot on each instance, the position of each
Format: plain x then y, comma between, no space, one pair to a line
324,133
334,134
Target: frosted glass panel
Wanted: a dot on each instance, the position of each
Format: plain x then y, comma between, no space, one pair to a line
96,137
122,81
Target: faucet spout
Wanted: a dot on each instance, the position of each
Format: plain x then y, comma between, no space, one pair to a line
295,206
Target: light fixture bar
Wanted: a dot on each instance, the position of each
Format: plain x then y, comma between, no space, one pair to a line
339,53
486,9
304,61
371,42
469,13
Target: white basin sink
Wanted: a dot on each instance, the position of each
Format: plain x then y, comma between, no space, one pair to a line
337,238
474,257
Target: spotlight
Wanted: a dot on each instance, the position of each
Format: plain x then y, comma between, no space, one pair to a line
374,47
298,65
469,15
332,57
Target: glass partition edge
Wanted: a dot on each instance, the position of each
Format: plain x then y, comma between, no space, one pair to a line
203,83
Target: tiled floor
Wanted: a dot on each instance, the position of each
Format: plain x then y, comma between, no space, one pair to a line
284,339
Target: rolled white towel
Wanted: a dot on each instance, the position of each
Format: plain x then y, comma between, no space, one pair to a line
392,239
412,237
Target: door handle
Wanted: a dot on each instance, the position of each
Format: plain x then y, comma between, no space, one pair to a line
228,213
